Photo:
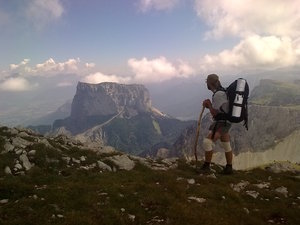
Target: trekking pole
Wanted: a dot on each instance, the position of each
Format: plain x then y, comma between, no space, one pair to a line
197,135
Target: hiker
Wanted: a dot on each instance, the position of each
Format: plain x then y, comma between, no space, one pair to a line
220,127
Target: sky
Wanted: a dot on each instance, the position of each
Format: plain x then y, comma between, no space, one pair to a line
142,41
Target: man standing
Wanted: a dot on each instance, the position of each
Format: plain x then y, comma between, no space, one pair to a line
220,127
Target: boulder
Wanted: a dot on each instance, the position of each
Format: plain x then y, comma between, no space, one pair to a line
32,152
20,142
8,147
26,164
104,166
7,170
18,166
122,161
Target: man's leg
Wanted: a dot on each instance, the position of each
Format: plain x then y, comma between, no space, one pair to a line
208,144
225,142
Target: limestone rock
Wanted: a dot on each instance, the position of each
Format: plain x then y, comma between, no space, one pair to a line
32,152
20,142
24,159
7,170
191,181
67,159
3,201
239,186
45,142
13,131
18,166
253,194
122,161
76,160
103,166
282,190
23,134
199,200
8,147
263,185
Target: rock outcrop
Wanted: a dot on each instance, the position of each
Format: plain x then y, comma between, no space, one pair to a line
95,104
21,150
109,99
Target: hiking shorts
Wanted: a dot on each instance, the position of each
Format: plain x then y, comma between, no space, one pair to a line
220,126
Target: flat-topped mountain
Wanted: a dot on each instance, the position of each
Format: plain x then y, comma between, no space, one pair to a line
119,115
108,99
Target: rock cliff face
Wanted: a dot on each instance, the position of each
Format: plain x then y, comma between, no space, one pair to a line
268,126
118,115
108,99
94,104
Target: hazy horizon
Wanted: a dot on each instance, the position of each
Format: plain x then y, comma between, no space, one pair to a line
48,46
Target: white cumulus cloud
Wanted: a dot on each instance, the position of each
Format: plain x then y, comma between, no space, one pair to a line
42,12
99,77
16,66
246,17
158,70
146,5
16,85
52,67
256,52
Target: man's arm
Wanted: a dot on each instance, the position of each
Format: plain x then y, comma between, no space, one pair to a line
207,104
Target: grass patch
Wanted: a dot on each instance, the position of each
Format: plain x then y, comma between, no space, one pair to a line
90,197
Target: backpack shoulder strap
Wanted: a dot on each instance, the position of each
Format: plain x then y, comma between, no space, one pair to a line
219,89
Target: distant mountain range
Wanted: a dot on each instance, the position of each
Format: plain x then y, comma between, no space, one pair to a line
276,93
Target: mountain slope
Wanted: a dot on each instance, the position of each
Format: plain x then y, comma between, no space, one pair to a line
276,93
70,184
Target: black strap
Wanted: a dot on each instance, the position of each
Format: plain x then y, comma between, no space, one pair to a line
219,89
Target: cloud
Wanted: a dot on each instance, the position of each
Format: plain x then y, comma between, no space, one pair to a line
158,70
42,12
16,66
159,5
244,17
99,77
64,84
90,65
50,66
256,52
16,85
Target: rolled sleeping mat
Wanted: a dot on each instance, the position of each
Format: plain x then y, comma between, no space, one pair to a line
238,101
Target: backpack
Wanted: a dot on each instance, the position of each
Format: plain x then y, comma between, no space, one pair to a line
237,93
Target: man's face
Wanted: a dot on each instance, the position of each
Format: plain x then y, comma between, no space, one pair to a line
209,86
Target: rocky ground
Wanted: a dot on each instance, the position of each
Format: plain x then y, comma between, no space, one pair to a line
22,149
59,181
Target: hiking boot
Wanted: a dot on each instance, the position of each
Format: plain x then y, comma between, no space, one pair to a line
227,170
205,168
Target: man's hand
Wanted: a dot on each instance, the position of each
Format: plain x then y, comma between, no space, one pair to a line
207,103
